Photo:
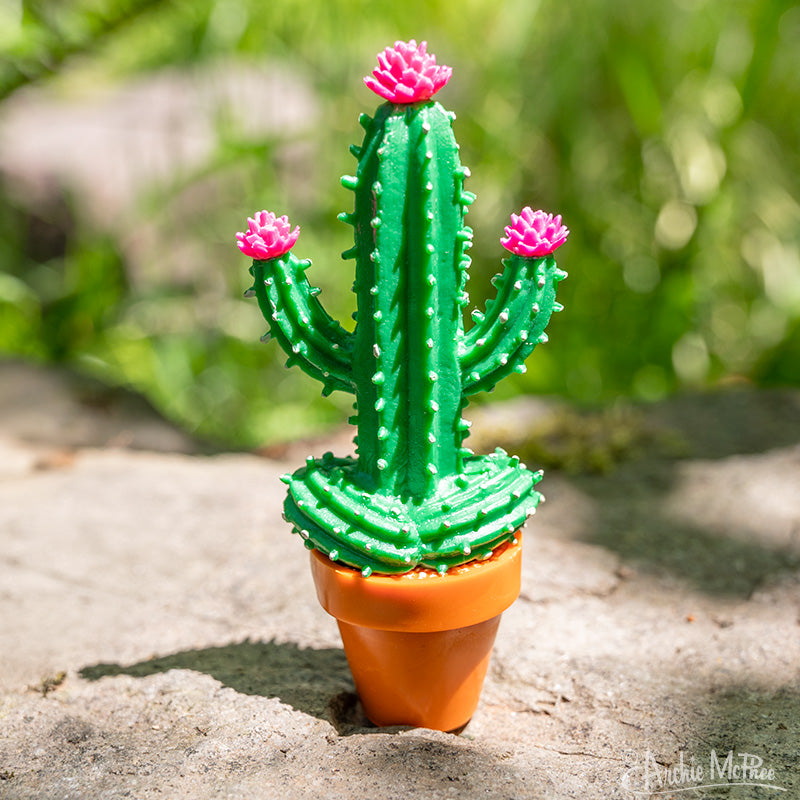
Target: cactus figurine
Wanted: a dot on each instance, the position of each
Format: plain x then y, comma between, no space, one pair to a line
415,496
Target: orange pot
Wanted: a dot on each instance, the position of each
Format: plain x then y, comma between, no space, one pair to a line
418,644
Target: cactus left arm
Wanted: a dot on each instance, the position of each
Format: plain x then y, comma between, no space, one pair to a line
311,338
514,323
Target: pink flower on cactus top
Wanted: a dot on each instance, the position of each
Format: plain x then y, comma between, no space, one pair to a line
267,236
534,233
407,73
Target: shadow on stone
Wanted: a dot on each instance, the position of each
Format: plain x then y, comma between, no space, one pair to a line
346,714
635,522
737,421
311,680
711,563
444,767
314,681
743,744
760,721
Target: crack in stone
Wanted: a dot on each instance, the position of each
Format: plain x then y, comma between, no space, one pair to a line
583,753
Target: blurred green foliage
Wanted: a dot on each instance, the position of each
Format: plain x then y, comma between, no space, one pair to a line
667,134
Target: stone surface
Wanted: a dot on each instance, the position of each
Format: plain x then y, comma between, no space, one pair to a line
159,634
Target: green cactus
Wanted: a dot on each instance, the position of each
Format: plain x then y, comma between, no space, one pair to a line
414,495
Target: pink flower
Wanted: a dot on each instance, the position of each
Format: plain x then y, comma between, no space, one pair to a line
534,233
407,74
268,236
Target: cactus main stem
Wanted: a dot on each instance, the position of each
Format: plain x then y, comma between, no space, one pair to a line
410,274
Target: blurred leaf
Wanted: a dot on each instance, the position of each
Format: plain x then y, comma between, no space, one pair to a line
666,134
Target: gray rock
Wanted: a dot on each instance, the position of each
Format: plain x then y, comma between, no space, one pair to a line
160,635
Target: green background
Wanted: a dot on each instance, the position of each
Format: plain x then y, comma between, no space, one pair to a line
666,134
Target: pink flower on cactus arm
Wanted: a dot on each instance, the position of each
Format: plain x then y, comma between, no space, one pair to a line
267,236
407,73
534,233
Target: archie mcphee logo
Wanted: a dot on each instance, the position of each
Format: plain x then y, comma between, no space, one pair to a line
733,768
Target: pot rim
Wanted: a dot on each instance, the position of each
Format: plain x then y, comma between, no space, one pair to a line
421,600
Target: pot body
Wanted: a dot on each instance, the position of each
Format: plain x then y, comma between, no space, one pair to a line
419,644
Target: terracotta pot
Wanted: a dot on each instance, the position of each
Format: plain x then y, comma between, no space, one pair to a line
418,644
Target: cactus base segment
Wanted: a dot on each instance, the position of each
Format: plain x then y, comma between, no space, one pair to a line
339,511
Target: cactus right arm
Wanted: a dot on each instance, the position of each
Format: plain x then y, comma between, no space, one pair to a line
514,323
310,337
